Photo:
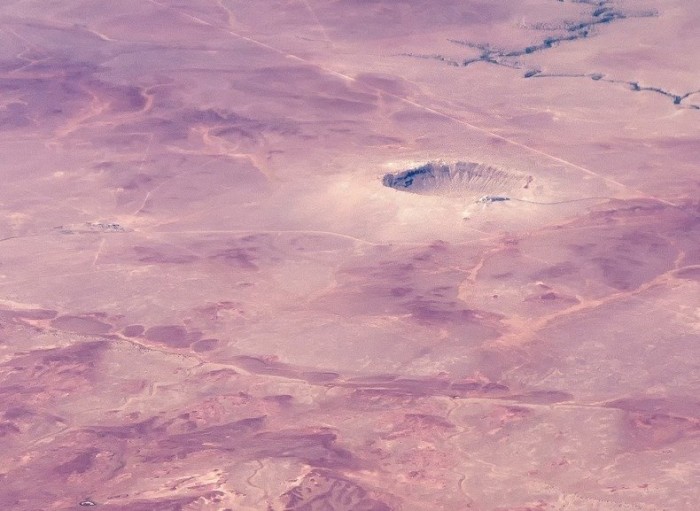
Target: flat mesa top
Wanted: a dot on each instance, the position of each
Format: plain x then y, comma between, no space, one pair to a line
348,255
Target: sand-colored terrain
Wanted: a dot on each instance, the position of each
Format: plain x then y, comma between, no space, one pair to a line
349,255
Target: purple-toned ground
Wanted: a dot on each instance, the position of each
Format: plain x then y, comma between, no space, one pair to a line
209,299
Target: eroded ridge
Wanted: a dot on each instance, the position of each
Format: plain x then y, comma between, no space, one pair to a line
460,178
321,489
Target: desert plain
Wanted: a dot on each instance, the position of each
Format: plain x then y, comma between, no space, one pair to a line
339,255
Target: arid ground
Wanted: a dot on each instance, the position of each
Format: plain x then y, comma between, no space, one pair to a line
350,255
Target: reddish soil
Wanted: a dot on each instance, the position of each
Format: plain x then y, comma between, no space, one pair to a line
218,291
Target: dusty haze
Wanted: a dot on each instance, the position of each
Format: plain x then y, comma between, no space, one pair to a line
336,255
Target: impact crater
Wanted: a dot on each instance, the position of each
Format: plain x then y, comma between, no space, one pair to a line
456,179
